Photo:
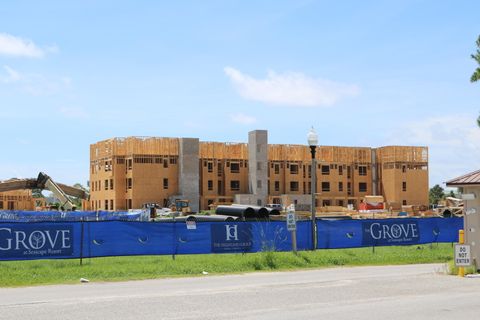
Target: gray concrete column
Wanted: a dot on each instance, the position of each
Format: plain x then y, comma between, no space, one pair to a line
258,165
374,173
189,171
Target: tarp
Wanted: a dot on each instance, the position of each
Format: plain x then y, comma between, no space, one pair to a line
42,216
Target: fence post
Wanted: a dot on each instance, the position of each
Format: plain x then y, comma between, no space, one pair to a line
81,241
461,240
174,237
373,248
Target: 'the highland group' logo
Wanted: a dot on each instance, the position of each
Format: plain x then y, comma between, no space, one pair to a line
385,233
18,241
231,232
231,237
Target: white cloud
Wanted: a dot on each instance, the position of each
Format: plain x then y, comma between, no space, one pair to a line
290,89
19,47
34,84
193,124
73,112
12,75
242,118
453,142
22,141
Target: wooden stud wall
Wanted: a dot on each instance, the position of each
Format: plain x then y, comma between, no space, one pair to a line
20,199
220,150
283,152
399,164
134,146
402,154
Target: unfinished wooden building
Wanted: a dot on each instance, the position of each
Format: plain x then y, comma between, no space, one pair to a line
17,200
126,173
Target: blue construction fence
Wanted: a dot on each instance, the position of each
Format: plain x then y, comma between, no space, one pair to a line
62,239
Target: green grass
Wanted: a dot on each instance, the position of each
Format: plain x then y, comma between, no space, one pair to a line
453,270
41,272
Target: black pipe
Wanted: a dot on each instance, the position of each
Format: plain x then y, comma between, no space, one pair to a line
215,218
200,218
273,211
237,211
259,212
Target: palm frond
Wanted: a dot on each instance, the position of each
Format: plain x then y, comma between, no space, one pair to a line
475,76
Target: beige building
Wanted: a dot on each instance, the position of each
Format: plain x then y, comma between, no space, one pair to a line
125,173
469,187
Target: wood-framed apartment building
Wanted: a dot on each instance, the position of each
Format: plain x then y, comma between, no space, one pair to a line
126,173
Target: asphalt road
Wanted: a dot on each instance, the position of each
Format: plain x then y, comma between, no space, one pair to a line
397,292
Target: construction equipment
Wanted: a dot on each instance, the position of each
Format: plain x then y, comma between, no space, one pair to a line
181,205
43,181
151,207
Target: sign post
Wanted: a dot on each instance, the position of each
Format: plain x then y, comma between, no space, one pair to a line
462,254
292,226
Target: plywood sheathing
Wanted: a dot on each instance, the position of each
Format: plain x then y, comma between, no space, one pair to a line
220,151
402,154
134,146
289,152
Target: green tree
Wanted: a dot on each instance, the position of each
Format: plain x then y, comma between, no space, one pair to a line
436,194
81,187
476,74
37,193
476,56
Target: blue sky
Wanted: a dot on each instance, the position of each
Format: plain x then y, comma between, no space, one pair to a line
363,73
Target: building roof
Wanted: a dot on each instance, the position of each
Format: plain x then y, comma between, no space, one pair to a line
472,178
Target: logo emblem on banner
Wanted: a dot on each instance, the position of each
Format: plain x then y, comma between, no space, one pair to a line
390,233
28,241
231,237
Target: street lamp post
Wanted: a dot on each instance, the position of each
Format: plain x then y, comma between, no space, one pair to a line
312,138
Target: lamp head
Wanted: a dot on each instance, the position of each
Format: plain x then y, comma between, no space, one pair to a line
312,138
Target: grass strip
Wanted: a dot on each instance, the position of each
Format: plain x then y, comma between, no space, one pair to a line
42,272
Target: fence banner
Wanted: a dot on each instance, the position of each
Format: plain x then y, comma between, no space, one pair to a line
41,240
391,232
23,241
386,232
62,239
